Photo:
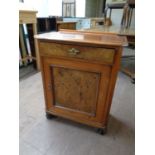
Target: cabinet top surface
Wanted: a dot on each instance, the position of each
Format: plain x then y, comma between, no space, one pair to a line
112,30
88,38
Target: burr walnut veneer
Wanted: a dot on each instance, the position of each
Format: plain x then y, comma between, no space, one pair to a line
79,72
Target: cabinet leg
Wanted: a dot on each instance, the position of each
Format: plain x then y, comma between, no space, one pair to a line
49,116
101,131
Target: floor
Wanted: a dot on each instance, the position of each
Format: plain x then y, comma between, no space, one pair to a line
27,71
128,62
39,136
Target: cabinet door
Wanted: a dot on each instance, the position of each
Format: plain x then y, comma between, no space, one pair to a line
75,89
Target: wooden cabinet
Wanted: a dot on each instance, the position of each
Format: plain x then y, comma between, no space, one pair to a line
79,73
66,25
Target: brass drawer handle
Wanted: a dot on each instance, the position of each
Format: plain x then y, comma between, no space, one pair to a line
73,51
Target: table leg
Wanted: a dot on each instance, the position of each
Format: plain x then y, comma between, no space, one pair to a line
36,47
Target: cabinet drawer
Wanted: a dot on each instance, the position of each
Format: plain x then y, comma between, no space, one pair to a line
96,54
66,26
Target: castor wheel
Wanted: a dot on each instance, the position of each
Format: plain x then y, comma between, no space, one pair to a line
101,131
50,116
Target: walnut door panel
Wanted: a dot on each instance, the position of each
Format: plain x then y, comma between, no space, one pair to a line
76,89
96,54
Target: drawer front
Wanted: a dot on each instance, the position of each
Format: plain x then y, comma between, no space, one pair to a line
66,26
100,55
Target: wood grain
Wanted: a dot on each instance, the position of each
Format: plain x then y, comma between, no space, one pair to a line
29,17
80,87
76,89
83,67
66,25
102,55
88,38
26,16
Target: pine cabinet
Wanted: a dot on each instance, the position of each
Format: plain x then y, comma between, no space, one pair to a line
29,17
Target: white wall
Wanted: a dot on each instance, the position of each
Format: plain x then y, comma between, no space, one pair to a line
80,8
39,5
54,7
44,7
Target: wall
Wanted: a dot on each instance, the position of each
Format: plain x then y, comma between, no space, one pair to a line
90,9
99,10
80,8
39,5
94,8
55,7
52,7
44,7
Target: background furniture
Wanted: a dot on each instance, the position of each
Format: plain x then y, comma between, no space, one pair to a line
79,72
128,62
112,6
66,25
69,8
127,11
80,22
46,24
97,21
29,17
128,32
